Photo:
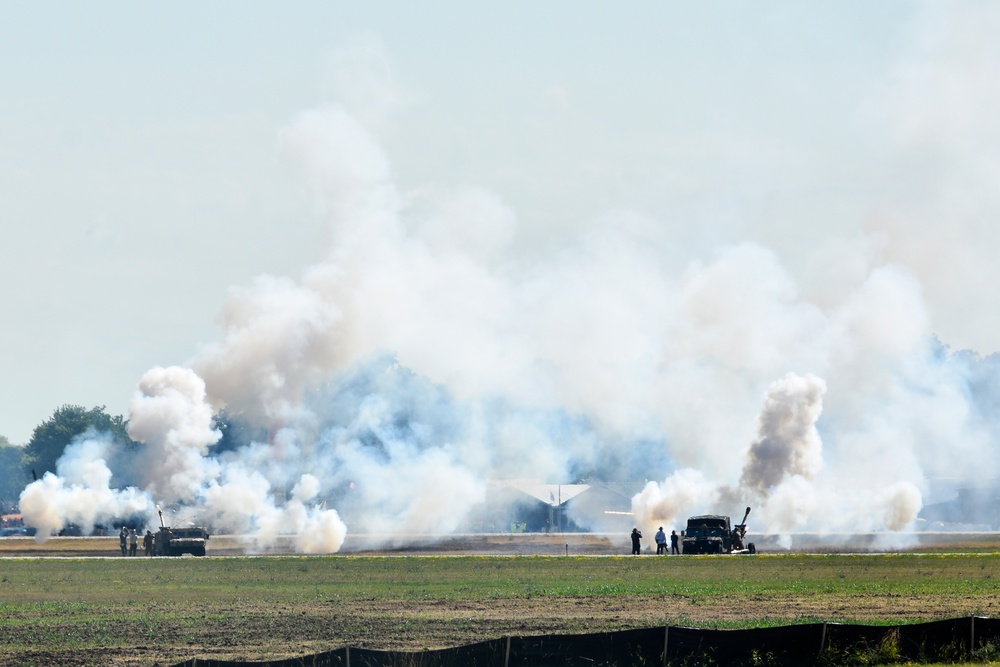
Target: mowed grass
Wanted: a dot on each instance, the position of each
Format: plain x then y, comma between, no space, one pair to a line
117,581
161,611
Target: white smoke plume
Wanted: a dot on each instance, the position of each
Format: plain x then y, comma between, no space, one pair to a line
170,415
316,530
554,370
80,492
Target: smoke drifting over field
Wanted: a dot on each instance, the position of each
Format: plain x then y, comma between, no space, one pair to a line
428,353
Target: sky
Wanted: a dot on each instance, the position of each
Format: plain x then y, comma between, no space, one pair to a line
717,176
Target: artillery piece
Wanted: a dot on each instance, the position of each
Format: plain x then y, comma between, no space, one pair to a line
176,541
712,534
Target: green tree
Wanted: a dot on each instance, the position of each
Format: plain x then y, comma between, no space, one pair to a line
13,478
50,438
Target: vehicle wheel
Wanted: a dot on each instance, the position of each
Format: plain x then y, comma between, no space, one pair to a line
751,548
198,551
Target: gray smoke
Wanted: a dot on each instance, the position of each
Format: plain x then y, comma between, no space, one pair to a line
788,442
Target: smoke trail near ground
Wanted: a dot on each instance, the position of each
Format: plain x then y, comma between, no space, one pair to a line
80,492
170,416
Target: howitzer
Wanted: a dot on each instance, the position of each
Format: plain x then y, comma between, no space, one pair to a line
713,534
176,541
739,532
742,525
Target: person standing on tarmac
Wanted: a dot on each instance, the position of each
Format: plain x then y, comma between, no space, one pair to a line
133,543
661,542
673,543
123,540
636,536
147,543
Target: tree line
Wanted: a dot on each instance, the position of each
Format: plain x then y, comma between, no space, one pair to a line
22,464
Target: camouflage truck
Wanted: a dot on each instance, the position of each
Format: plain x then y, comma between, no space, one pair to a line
177,541
713,534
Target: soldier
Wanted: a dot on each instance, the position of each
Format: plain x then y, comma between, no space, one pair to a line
147,543
133,543
673,543
661,542
123,540
636,536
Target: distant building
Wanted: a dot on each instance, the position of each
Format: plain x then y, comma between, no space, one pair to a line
968,509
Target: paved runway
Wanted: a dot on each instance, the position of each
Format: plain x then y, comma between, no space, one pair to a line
524,544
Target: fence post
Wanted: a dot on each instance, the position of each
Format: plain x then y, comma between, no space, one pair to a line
822,639
506,654
666,641
972,637
347,655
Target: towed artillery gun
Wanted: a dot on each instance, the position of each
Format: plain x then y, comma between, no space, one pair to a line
712,534
176,541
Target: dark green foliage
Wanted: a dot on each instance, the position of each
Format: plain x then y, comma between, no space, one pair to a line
988,652
13,478
50,438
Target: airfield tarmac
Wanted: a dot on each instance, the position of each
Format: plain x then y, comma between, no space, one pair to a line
519,544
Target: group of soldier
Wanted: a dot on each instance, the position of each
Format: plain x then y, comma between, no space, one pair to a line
661,542
129,542
735,545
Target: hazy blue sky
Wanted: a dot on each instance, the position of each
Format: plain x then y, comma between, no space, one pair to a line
141,175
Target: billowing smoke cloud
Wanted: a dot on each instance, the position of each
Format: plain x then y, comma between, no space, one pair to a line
170,416
426,353
782,473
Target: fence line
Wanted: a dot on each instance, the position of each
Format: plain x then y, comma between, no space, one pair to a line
945,640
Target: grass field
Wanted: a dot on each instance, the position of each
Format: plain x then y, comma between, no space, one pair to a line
79,611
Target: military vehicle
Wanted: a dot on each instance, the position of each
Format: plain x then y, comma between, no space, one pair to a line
712,534
176,541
